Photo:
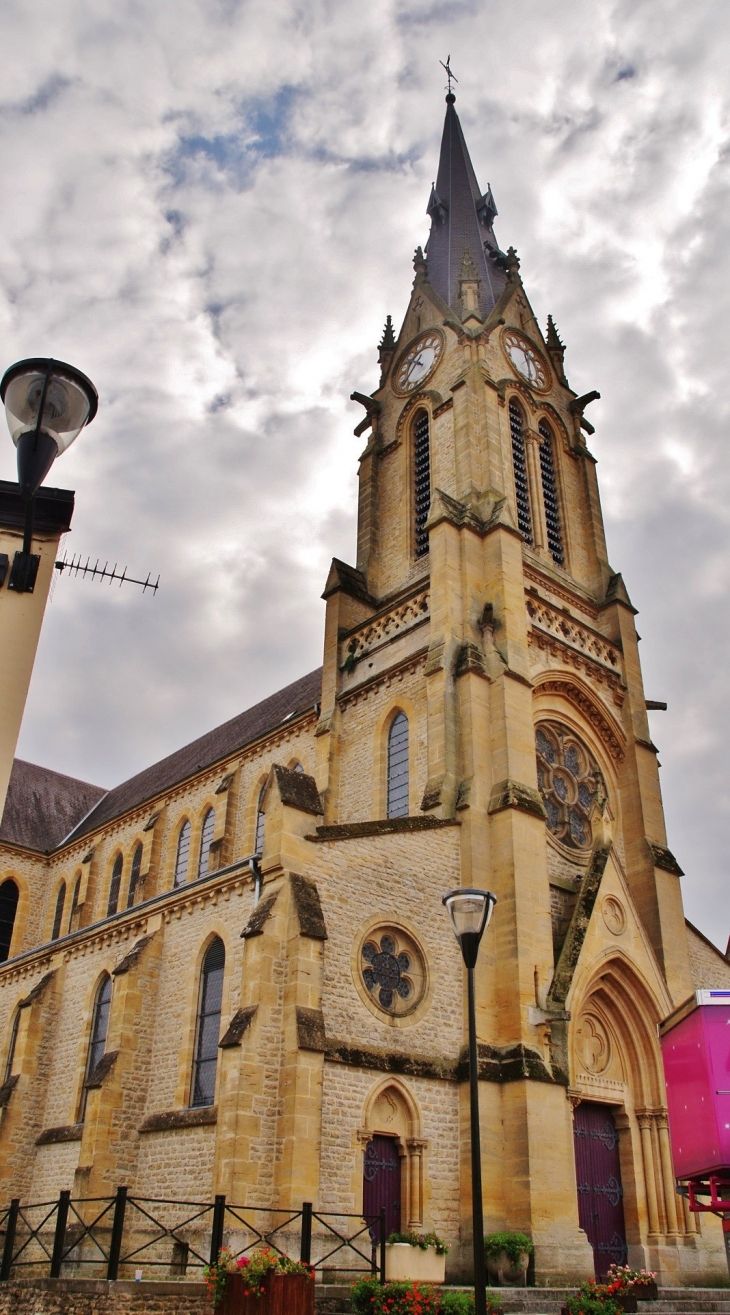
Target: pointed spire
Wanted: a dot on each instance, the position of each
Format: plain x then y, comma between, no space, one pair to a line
387,342
461,223
556,349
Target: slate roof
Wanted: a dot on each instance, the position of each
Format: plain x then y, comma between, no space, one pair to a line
461,223
220,743
42,806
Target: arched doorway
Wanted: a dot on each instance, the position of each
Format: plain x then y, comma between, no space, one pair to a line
393,1157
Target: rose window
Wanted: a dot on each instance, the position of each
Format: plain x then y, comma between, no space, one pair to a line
567,778
393,970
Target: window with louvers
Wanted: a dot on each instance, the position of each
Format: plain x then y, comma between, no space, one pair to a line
209,1020
422,485
114,885
550,495
398,767
519,465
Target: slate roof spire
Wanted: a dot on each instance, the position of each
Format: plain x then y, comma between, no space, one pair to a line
461,223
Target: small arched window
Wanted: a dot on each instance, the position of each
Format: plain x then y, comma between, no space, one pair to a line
258,843
74,902
99,1029
519,465
398,767
206,838
297,767
550,494
58,915
208,1024
183,853
134,876
421,480
114,886
8,908
11,1048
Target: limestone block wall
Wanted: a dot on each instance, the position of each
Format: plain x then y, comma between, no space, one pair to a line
363,756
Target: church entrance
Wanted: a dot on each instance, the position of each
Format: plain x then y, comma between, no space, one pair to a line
600,1194
381,1183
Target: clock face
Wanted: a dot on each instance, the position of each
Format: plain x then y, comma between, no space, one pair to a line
526,361
419,361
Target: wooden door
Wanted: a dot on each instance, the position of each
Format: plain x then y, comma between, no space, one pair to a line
600,1194
381,1183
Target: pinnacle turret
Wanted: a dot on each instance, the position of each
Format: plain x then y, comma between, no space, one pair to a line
461,223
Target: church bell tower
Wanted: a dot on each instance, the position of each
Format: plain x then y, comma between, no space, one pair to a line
483,593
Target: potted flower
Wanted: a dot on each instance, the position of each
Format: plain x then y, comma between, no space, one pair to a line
507,1256
415,1256
264,1283
369,1297
641,1282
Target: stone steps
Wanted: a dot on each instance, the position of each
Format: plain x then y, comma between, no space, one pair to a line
334,1299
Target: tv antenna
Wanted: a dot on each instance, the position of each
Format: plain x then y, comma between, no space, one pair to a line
76,566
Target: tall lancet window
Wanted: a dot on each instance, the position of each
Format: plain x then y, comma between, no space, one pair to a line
550,494
209,1021
398,767
422,479
519,465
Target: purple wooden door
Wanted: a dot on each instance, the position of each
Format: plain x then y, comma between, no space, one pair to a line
600,1194
381,1184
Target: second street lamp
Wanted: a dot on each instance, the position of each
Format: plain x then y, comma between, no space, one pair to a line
470,911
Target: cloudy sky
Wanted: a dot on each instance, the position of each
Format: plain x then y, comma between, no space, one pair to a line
211,207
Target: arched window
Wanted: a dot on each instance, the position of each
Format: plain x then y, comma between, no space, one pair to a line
134,876
74,902
114,886
422,480
11,1048
8,906
568,778
258,843
519,465
209,1021
398,767
206,837
99,1029
58,915
550,494
297,767
183,852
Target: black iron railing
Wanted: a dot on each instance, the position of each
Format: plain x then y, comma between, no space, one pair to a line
125,1231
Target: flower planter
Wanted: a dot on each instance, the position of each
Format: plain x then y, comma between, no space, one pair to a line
404,1263
284,1294
644,1291
626,1301
505,1273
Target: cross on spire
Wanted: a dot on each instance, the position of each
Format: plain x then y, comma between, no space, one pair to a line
451,76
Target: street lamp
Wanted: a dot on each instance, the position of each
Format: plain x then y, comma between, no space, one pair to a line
47,404
470,911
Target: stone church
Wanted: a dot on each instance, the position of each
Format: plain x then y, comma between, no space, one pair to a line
233,973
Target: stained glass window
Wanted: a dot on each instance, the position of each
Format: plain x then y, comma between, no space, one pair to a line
206,837
114,885
393,970
13,1043
550,494
519,465
422,480
398,767
99,1029
209,1022
74,903
183,854
134,877
258,844
567,778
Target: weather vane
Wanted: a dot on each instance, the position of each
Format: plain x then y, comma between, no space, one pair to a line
451,76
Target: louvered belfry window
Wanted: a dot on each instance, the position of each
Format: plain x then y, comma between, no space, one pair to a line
398,767
550,494
206,837
183,853
519,465
134,878
422,482
114,885
209,1021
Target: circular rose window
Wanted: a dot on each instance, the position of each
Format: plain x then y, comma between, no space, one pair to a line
567,778
393,971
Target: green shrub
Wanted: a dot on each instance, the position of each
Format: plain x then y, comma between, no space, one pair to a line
584,1305
458,1303
513,1244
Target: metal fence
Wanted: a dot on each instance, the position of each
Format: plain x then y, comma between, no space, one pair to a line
116,1235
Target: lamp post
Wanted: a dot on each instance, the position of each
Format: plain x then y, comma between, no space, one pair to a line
47,403
470,911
